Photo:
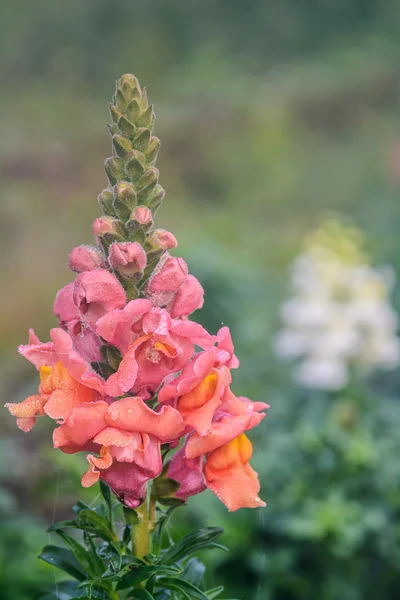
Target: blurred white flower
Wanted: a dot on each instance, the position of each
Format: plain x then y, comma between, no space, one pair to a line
339,315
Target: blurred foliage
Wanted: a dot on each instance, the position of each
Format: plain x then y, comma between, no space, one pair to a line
270,112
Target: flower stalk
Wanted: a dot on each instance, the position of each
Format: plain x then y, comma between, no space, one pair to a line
124,381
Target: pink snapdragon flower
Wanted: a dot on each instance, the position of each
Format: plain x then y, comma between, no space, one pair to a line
127,436
172,287
128,259
85,258
127,371
152,344
219,460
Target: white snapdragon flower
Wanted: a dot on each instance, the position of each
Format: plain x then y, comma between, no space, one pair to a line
339,315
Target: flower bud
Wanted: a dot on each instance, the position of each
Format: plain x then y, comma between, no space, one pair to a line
115,113
133,110
124,199
146,184
108,230
161,239
121,145
143,215
128,87
134,164
166,280
156,198
114,167
152,149
103,225
105,200
146,118
141,139
140,221
84,258
126,126
128,258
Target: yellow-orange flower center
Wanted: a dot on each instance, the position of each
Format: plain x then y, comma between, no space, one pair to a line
200,395
237,452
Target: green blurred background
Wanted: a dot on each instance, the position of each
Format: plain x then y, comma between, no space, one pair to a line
270,112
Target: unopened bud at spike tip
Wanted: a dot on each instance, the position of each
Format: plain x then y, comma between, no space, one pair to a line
133,111
114,167
125,199
115,113
146,118
157,198
105,200
152,150
121,145
146,184
134,164
126,126
141,139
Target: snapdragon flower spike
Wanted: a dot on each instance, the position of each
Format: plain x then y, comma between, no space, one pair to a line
127,370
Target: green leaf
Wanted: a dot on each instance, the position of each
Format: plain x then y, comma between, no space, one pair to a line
80,505
81,555
142,573
171,502
214,592
193,542
140,595
194,571
63,559
189,590
131,516
157,533
92,522
62,525
106,493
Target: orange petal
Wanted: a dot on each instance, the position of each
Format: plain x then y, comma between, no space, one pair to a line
110,436
199,405
236,489
29,408
104,461
84,423
235,453
132,414
221,432
26,424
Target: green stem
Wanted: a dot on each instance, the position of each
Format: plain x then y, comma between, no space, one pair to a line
142,531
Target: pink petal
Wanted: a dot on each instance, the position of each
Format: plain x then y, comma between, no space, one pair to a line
118,326
195,332
74,362
188,473
225,353
128,258
96,293
189,297
193,373
84,258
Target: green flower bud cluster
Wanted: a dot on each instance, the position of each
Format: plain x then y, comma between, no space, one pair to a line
132,176
134,193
